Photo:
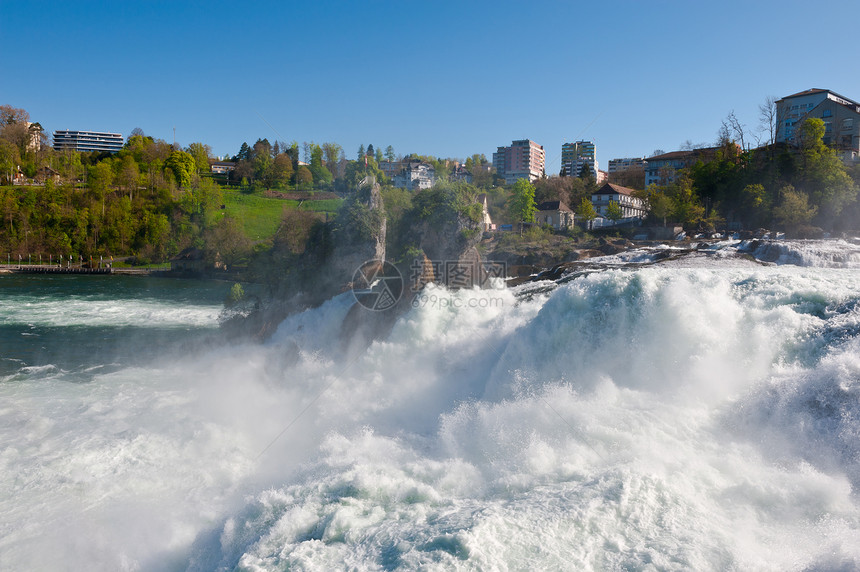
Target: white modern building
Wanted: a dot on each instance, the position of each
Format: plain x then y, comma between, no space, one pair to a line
87,141
631,206
415,175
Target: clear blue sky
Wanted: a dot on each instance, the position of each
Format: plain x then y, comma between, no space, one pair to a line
438,78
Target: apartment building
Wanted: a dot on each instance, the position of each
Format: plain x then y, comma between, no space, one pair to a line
579,156
841,118
619,165
523,159
661,169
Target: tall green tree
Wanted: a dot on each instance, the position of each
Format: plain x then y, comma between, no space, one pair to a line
614,212
586,211
823,175
183,167
794,210
522,203
201,154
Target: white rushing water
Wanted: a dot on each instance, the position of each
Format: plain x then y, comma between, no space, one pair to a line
699,415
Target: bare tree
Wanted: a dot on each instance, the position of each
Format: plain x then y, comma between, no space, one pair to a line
767,117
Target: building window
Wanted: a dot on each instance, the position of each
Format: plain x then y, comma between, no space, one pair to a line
848,123
826,113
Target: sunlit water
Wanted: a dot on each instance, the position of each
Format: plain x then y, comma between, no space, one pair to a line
702,414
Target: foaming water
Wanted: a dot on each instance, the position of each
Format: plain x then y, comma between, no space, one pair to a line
699,418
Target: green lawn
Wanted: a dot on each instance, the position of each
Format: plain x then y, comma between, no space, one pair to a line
261,215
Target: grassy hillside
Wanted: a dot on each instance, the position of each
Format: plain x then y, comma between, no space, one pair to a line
261,215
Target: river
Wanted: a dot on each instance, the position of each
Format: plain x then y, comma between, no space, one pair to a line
702,413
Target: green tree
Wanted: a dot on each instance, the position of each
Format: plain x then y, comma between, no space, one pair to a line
822,174
304,177
129,175
227,243
614,212
794,210
321,175
99,179
201,154
282,170
660,205
586,212
182,165
389,154
522,203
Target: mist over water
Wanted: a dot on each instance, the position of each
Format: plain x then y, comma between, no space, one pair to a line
698,415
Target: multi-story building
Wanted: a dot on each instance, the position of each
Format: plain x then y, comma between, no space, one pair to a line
578,156
87,141
391,168
619,165
661,169
631,206
415,175
841,118
524,159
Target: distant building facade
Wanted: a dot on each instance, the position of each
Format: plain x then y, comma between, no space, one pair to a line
461,174
391,168
661,169
841,118
415,175
620,165
631,206
87,141
578,156
222,167
523,159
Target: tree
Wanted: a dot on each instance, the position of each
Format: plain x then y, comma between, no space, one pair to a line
614,212
320,174
361,152
370,151
304,177
823,175
9,159
660,205
282,170
732,130
794,210
201,154
182,165
129,175
685,204
99,179
768,118
586,211
522,204
389,154
244,153
331,157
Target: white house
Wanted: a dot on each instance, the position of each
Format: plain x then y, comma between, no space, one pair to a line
631,206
